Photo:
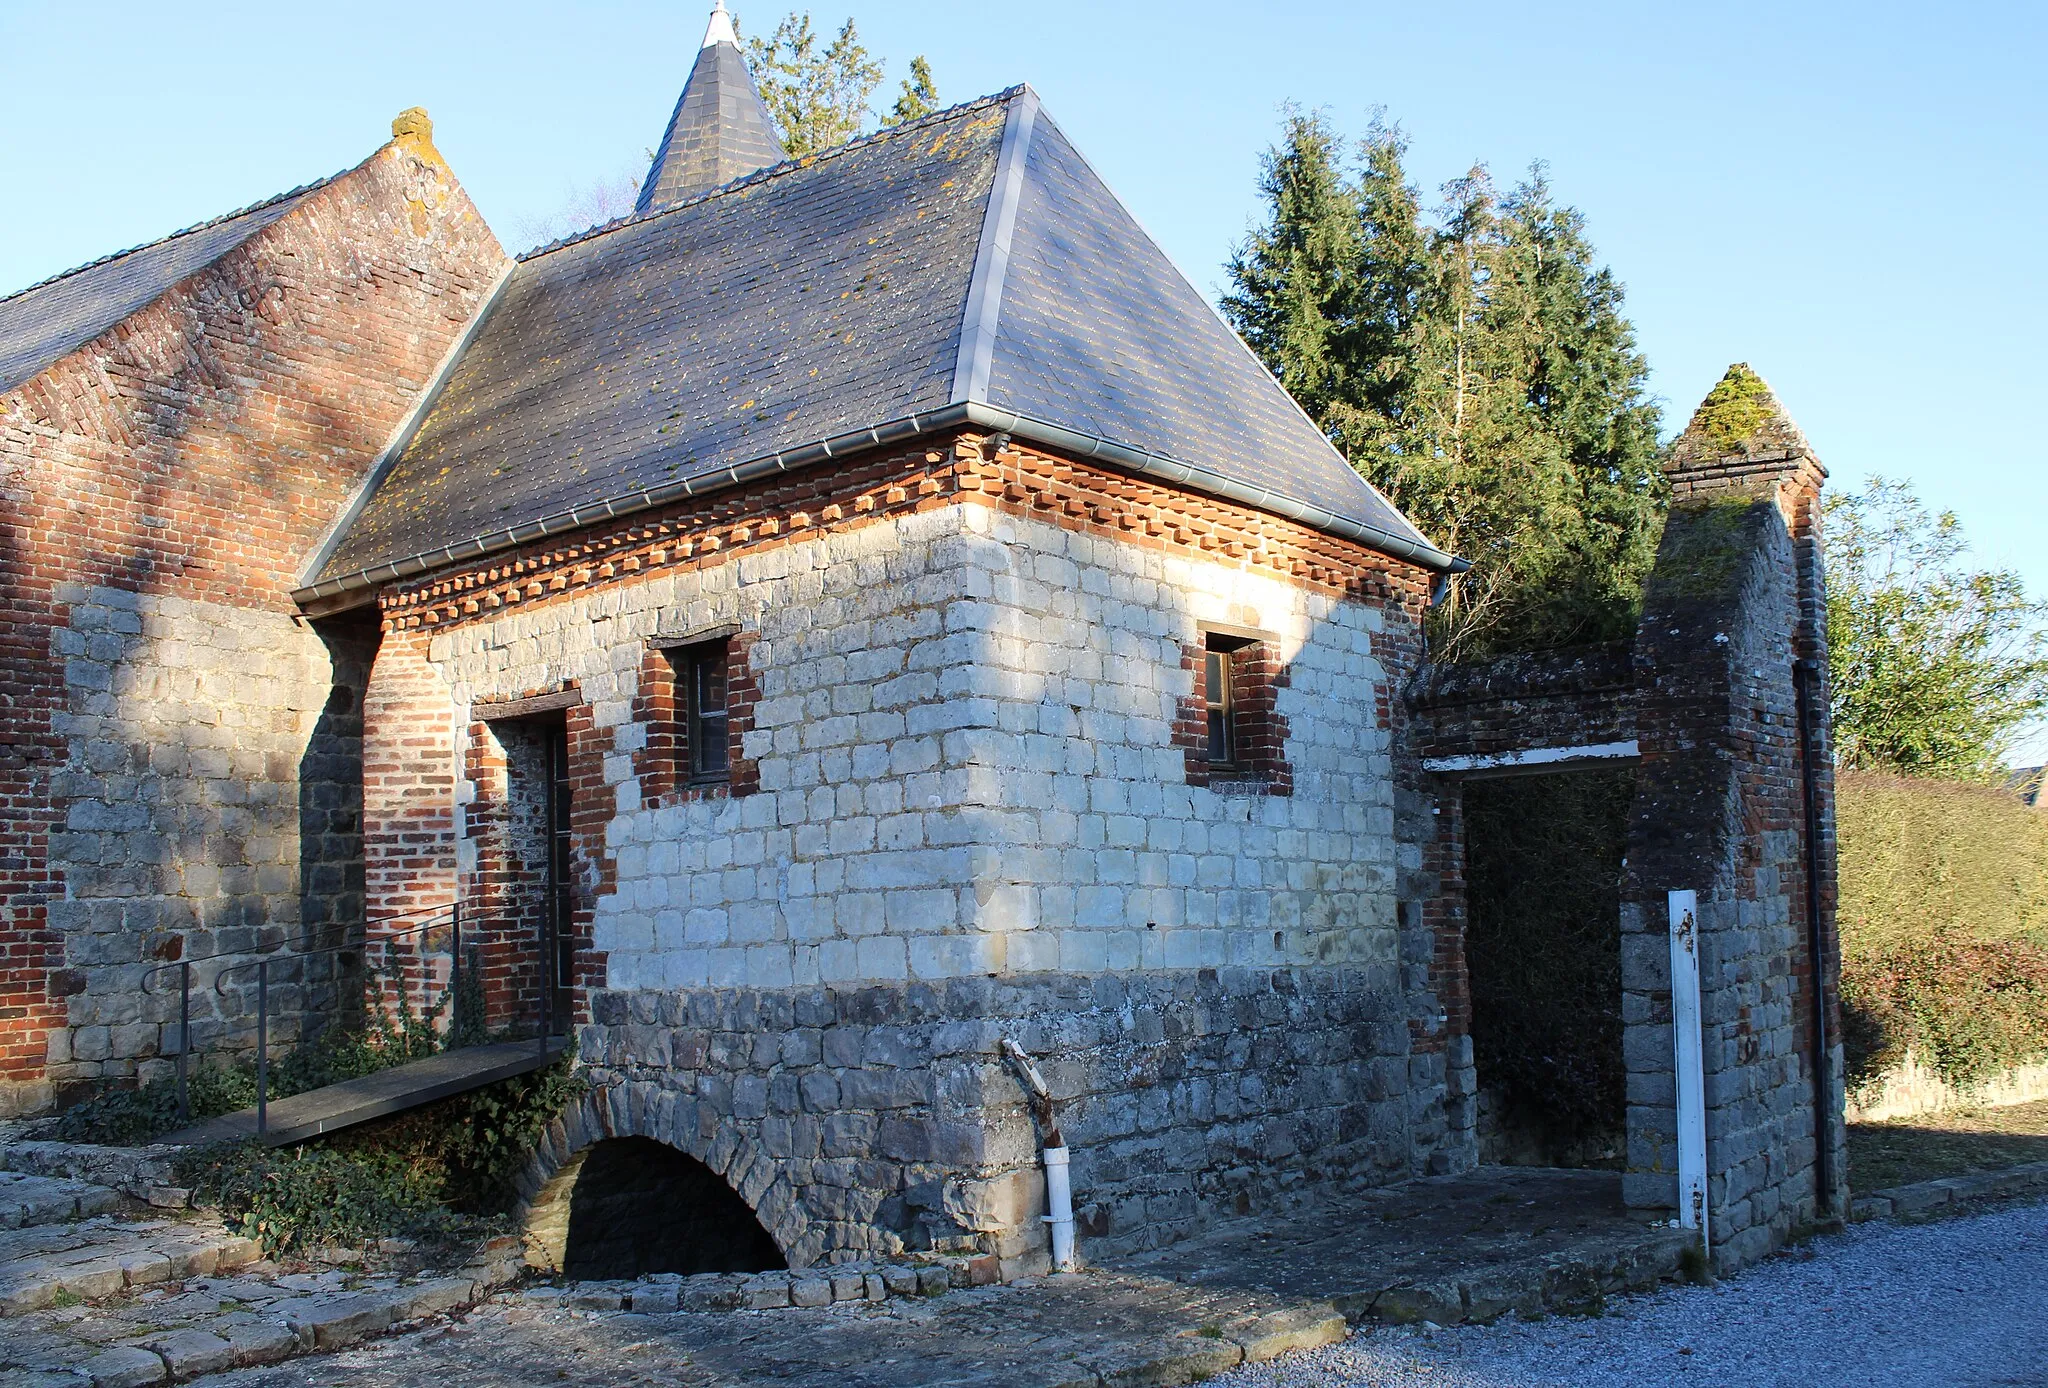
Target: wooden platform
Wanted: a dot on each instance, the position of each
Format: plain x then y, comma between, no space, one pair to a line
337,1106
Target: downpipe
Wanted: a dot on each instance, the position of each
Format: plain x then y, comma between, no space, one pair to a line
1059,1194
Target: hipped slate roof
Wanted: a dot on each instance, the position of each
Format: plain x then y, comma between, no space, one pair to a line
46,321
969,266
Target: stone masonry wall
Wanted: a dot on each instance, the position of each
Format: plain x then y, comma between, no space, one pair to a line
1719,811
212,796
159,489
967,782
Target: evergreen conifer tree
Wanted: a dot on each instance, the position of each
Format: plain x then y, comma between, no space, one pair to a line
817,93
1476,366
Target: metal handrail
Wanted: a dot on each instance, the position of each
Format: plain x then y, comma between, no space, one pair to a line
310,952
453,924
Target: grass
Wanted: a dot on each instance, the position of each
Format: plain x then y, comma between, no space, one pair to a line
1904,1150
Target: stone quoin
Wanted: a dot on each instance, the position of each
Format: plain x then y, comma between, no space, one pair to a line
852,611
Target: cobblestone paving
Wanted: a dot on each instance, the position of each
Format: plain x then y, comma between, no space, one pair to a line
1949,1303
1064,1332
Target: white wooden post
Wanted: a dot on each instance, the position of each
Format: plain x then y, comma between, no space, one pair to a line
1688,1064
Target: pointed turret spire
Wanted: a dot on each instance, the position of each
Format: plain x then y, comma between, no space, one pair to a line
1741,416
720,130
720,29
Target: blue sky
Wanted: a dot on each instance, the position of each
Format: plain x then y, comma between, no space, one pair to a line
1848,197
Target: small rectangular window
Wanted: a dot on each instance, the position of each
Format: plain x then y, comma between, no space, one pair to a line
701,672
1222,739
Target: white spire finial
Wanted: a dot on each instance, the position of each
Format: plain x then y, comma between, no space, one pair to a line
720,29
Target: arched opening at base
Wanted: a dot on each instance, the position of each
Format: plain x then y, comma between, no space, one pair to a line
642,1207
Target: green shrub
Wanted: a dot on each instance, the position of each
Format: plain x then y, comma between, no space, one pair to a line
1920,858
295,1199
127,1117
475,1142
1944,924
1967,1008
434,1174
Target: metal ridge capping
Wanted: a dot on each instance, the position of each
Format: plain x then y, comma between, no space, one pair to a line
978,326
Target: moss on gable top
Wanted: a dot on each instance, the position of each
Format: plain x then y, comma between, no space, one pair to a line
1705,545
1741,416
1735,408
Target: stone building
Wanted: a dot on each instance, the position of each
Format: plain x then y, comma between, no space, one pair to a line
852,612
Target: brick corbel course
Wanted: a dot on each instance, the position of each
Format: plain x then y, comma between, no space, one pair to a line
715,529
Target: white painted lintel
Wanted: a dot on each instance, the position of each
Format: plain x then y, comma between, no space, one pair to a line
1535,757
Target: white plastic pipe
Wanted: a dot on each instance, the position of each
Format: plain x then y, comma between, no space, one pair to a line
1059,1199
1059,1194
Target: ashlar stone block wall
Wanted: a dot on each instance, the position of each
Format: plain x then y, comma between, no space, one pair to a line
971,821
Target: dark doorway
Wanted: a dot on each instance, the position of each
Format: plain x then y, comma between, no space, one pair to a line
642,1207
1543,859
531,846
561,898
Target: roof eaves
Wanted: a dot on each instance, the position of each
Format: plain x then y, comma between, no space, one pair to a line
1200,479
859,440
628,503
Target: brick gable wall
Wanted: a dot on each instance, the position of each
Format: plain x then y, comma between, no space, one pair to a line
159,489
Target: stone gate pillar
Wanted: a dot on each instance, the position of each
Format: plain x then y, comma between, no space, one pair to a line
1735,801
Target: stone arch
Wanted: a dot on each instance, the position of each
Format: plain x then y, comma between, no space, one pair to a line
642,1109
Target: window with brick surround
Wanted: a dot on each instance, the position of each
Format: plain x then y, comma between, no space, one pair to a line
1230,728
705,740
1221,747
696,699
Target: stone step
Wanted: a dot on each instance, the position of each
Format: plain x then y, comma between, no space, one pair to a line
87,1259
136,1344
152,1330
27,1200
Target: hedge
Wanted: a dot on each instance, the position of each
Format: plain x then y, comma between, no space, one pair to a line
1944,924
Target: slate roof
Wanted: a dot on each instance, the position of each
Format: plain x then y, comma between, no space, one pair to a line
969,265
44,322
720,131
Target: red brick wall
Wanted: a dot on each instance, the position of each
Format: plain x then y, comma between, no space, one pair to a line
202,448
408,783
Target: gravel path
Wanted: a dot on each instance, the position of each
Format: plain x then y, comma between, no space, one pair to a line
1959,1302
